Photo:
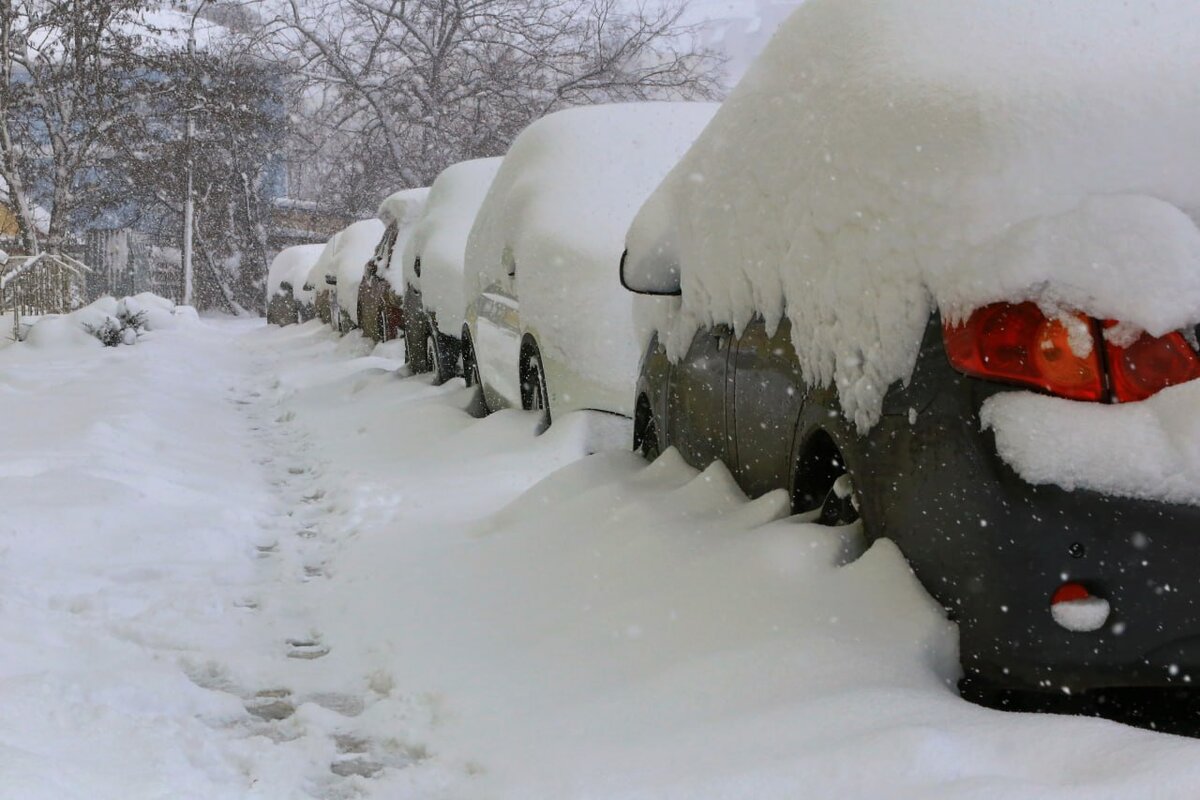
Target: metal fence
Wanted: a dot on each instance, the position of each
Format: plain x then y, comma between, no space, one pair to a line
48,283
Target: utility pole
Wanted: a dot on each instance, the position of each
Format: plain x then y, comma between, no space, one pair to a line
189,134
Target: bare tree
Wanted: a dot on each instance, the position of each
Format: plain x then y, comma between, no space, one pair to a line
67,69
411,86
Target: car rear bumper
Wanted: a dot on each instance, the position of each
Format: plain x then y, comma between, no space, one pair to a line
994,549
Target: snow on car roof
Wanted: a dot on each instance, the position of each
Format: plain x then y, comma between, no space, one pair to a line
883,158
353,251
563,198
403,206
287,265
440,237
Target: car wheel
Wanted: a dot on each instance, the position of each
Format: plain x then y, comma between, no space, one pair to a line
534,396
433,357
416,348
478,406
470,365
822,481
645,431
381,325
648,446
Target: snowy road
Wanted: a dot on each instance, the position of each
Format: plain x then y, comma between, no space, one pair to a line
249,563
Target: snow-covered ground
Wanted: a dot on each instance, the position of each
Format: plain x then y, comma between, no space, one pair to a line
239,562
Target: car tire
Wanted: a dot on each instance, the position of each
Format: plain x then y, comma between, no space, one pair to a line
645,431
649,446
478,406
416,347
534,395
433,356
824,480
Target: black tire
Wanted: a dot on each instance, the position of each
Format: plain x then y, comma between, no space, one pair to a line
478,407
822,480
534,395
381,323
470,365
433,355
648,446
416,347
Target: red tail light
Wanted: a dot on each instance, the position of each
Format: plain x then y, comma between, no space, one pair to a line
1017,343
1149,365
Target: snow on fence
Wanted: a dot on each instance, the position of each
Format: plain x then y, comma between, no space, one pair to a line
47,283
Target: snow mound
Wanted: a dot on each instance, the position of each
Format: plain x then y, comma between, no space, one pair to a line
884,158
60,333
559,209
157,313
439,238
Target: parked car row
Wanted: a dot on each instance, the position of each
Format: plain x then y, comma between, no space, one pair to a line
869,248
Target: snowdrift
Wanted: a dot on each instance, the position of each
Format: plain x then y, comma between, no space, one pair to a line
883,159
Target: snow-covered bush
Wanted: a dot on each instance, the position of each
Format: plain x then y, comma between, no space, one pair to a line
108,321
121,329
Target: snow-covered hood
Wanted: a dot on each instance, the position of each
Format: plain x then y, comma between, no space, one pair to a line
885,158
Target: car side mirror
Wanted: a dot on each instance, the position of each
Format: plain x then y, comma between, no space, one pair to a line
331,280
653,279
285,286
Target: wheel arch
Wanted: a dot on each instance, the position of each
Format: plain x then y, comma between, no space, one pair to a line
823,434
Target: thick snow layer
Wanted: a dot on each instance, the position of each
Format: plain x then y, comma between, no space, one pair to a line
884,157
1149,449
244,563
559,208
292,264
355,249
403,209
440,239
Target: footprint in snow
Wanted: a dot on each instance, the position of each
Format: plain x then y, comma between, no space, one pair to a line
307,649
271,705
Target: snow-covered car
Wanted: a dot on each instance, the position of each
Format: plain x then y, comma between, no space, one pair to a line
933,266
319,283
352,245
380,304
288,270
356,248
548,326
433,267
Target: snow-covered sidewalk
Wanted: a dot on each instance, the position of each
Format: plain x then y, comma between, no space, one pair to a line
239,562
